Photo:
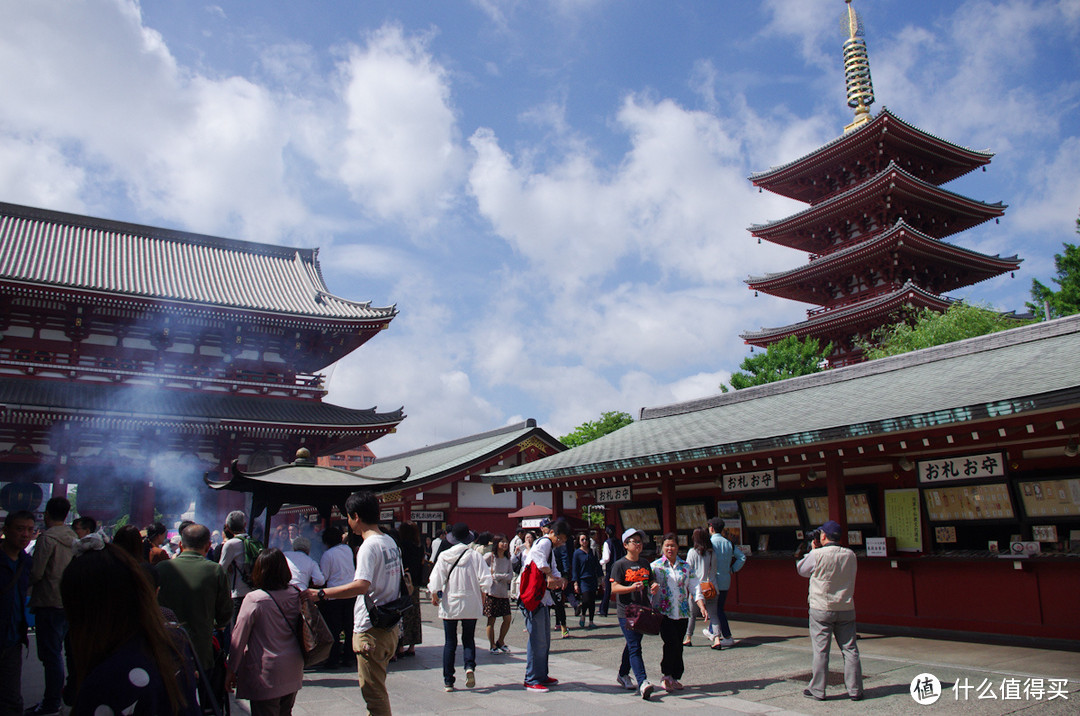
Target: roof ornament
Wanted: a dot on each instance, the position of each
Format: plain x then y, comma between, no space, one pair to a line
860,90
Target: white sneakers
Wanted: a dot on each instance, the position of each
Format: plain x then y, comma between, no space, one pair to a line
626,682
645,690
470,678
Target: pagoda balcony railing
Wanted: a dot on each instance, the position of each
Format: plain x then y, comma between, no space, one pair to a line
845,302
120,369
833,248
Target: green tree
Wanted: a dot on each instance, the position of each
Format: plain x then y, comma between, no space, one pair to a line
930,328
783,359
1066,300
590,430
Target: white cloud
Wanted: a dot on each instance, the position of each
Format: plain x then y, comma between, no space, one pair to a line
815,23
400,155
35,172
90,79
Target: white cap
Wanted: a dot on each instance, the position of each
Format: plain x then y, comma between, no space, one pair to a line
631,532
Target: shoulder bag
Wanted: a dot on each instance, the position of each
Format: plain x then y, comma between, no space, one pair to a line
311,632
386,616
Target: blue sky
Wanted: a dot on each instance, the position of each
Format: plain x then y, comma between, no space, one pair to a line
553,192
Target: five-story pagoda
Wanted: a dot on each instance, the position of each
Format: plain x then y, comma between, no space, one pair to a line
875,225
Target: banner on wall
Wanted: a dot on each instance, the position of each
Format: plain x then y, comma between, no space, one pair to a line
903,520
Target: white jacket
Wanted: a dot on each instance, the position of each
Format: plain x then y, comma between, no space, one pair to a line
462,586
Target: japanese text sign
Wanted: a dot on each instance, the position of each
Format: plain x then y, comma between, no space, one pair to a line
606,495
967,467
746,481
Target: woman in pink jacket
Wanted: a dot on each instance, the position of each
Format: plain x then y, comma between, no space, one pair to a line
265,662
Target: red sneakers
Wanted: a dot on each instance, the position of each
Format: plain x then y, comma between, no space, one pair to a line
540,688
551,681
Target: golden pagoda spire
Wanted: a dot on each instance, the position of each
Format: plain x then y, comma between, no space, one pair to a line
860,90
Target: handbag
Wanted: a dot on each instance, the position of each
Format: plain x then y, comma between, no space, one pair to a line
311,632
386,616
708,589
642,618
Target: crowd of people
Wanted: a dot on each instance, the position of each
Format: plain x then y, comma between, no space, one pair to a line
127,625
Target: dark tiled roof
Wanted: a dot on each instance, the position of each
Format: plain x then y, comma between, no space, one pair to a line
892,178
908,294
149,403
1031,368
912,239
436,461
963,157
67,250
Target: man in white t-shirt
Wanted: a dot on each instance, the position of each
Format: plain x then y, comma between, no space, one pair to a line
378,574
538,621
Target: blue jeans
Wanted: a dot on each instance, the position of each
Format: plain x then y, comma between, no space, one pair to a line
717,618
449,650
50,631
631,653
538,624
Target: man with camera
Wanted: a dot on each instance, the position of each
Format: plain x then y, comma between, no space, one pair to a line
831,568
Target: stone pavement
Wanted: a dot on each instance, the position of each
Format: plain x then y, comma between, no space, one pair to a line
765,673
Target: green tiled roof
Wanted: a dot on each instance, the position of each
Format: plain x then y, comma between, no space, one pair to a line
1024,369
436,461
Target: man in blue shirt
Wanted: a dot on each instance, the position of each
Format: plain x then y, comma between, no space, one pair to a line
15,566
729,559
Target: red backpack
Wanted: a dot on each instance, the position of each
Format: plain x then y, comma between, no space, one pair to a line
532,587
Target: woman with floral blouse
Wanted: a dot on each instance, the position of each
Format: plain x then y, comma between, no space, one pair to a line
676,582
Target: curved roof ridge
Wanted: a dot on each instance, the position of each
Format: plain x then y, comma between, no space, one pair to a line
882,118
505,430
899,226
862,186
1013,336
39,246
852,308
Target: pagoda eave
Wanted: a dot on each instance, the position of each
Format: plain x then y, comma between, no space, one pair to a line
901,246
806,230
849,317
377,320
885,133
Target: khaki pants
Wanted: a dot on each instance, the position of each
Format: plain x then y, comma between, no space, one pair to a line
374,648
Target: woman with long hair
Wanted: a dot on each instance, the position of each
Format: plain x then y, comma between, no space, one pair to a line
128,539
517,559
701,561
585,575
264,658
412,559
497,599
126,659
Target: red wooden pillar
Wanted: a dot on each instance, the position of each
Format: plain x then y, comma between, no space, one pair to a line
667,505
834,480
142,504
60,473
556,503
